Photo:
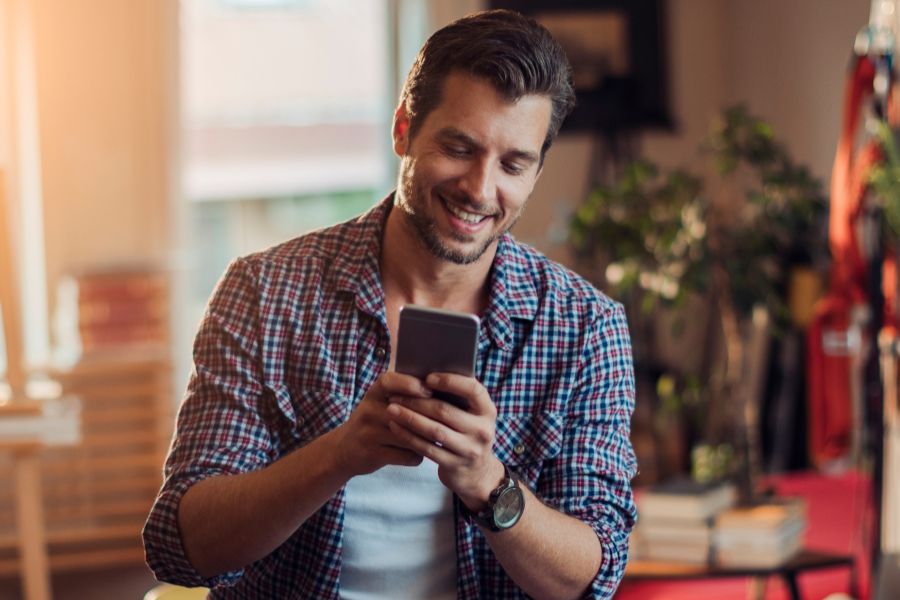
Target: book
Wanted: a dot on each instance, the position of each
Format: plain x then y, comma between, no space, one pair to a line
685,499
120,309
760,539
755,558
674,531
683,540
769,514
695,554
762,535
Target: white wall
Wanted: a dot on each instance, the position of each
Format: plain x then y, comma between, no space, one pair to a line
788,62
785,60
695,39
106,100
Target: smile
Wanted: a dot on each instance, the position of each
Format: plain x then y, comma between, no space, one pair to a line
465,216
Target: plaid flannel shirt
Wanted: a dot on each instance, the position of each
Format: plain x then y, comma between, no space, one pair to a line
295,335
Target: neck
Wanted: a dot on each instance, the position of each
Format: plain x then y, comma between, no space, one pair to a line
411,274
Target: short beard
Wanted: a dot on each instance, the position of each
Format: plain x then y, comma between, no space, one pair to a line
412,200
429,236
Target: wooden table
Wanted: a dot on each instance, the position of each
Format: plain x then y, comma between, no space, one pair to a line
806,560
29,507
31,426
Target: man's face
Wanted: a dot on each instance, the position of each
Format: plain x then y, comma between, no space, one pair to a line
467,173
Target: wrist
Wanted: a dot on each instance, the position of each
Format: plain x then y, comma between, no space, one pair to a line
334,454
478,499
504,507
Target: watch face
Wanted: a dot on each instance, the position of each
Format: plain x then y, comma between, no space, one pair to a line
508,507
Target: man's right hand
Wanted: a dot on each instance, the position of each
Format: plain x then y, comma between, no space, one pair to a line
258,510
365,443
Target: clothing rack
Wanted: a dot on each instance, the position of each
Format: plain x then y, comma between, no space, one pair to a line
880,33
878,41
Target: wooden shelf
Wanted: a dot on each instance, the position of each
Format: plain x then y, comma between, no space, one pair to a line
85,534
82,560
96,495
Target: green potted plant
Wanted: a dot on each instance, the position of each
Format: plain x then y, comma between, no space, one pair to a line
662,237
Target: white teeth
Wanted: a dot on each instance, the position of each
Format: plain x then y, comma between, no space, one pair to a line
463,215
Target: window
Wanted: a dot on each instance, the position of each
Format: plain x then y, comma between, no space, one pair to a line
285,114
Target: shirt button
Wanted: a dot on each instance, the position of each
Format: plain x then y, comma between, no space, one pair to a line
519,449
300,421
380,352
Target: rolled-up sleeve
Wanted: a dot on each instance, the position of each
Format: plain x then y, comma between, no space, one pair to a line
219,430
592,476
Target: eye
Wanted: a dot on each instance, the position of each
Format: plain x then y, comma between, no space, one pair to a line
513,168
455,151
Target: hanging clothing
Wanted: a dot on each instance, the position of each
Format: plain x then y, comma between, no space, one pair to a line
836,340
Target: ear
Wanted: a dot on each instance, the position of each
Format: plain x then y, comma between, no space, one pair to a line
401,130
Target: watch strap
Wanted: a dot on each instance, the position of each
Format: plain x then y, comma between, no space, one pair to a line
485,518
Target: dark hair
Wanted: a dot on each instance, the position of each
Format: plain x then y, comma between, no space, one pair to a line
516,54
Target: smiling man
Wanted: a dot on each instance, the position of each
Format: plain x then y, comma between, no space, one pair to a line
472,165
304,466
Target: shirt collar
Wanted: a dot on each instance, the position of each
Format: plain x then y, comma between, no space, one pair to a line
512,295
357,268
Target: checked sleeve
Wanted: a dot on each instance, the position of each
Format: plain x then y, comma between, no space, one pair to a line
219,430
592,477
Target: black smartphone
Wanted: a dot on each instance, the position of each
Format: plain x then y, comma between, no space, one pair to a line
433,340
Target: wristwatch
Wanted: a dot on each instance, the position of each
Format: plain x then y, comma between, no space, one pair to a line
505,506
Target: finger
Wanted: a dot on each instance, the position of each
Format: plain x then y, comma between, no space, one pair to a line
395,384
429,430
403,457
400,384
438,410
479,401
440,455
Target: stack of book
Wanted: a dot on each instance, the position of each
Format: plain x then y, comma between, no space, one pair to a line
675,520
122,309
760,536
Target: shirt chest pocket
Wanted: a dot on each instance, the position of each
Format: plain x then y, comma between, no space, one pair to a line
526,442
306,414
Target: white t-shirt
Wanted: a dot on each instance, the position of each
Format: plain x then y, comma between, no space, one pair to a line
399,536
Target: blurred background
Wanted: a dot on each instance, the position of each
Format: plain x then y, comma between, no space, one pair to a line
145,144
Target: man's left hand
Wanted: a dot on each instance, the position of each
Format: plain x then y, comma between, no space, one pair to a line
459,441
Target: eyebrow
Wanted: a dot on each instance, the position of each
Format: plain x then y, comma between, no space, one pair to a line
454,134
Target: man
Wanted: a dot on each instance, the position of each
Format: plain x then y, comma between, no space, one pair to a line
303,466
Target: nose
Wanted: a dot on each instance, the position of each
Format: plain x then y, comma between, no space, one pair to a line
479,183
